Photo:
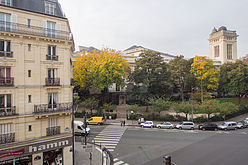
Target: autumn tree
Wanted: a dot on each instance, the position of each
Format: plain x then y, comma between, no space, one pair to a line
205,72
151,72
180,73
98,70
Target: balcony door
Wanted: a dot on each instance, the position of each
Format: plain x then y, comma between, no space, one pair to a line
51,73
51,29
5,103
5,75
5,22
52,100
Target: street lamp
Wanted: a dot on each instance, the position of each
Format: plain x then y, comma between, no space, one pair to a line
132,116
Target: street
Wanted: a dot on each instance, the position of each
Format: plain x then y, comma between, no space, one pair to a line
146,146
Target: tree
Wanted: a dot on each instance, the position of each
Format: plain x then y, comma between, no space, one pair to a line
224,81
151,72
134,108
90,103
98,70
206,72
185,108
159,105
227,108
180,73
238,77
209,107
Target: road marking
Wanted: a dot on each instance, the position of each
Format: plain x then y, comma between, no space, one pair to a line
118,163
102,141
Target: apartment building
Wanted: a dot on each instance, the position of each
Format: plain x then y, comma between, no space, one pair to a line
36,48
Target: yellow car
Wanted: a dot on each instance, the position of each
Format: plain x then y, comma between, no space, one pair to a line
95,120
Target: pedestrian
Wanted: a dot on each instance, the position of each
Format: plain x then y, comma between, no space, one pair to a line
124,122
121,123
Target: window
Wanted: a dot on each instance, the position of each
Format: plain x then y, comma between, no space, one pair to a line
229,51
30,128
4,22
5,75
5,102
51,29
50,8
52,100
29,73
5,128
51,73
6,2
29,23
29,47
216,51
5,49
51,53
29,99
53,122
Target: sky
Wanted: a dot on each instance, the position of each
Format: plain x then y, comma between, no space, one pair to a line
176,27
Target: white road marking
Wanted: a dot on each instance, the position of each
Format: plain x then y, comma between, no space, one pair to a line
118,163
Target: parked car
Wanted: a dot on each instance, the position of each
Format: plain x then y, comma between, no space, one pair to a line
231,125
208,126
185,125
241,124
165,125
147,124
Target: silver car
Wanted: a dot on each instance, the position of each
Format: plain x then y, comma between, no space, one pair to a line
228,126
165,125
185,125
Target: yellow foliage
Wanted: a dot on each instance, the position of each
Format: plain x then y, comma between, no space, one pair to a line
99,69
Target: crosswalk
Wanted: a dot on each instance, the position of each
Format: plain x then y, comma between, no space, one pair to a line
119,162
110,136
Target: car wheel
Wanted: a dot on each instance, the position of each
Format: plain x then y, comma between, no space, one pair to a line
170,127
180,127
142,126
203,129
192,128
159,127
225,129
98,123
216,129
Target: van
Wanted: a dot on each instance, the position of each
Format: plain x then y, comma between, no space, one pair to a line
95,120
79,128
185,125
231,125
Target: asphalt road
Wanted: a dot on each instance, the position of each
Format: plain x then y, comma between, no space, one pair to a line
146,146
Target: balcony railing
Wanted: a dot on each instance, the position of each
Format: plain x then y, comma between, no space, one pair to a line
53,131
6,81
50,108
52,81
6,54
7,138
34,30
8,111
52,57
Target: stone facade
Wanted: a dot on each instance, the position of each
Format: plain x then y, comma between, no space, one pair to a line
223,46
35,85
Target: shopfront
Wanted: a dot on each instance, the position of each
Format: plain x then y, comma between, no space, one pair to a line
45,153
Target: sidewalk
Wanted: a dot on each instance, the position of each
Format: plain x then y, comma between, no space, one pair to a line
99,157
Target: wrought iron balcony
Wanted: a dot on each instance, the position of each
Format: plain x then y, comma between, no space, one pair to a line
7,138
52,81
52,57
51,108
53,131
34,30
6,81
8,111
6,54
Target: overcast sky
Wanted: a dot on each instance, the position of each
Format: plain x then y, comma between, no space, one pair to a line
170,26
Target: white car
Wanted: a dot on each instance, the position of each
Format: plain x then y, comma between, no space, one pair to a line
185,125
165,125
231,125
79,128
147,124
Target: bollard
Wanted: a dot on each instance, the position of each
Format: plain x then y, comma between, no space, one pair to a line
167,160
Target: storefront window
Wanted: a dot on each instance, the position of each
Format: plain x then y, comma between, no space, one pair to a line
54,157
26,160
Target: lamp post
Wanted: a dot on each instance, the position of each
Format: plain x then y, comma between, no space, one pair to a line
132,116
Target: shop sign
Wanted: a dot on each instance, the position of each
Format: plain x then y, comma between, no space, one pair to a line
15,153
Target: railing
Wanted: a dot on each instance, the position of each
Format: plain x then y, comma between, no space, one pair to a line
8,111
50,108
6,54
7,138
6,81
52,81
53,131
34,30
52,57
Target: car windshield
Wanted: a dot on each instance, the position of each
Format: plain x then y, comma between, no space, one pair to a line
224,124
148,122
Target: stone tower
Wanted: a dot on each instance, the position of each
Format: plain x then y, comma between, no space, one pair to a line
223,45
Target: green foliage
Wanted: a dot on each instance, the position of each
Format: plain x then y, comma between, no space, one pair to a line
209,107
108,107
185,108
151,72
227,109
134,108
90,103
160,104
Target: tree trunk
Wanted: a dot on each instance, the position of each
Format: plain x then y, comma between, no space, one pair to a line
186,116
208,116
239,100
201,91
182,95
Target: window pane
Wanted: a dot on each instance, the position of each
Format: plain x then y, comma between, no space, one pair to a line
49,50
2,101
8,46
1,45
8,100
54,50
